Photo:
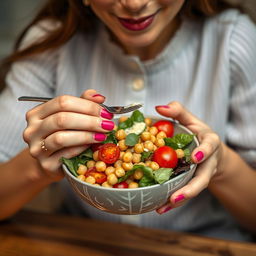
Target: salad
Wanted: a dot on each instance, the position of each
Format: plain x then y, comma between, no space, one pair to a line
137,153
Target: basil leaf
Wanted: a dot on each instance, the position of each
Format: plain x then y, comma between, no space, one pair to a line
180,140
145,155
146,181
126,124
162,175
131,139
71,165
137,116
87,154
111,138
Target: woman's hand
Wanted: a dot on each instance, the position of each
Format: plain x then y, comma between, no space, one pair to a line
64,127
209,154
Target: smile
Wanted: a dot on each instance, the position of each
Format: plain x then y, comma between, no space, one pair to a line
137,24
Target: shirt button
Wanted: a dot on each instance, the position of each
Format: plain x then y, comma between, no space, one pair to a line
138,84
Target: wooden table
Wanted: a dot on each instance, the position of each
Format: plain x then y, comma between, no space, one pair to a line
34,234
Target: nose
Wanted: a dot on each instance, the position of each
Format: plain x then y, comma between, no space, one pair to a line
134,5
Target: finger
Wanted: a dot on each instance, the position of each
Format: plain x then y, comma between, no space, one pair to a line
64,103
64,139
93,95
73,121
176,111
196,185
53,163
209,143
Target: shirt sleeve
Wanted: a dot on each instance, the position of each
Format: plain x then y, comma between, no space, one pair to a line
32,76
241,132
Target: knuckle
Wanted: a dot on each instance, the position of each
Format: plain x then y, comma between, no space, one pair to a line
61,120
29,115
27,134
34,151
64,102
58,140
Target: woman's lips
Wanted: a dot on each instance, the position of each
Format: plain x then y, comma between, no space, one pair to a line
137,24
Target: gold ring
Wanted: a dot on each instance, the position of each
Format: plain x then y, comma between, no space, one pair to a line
43,146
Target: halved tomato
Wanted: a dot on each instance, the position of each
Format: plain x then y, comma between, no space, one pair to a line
122,184
109,153
100,177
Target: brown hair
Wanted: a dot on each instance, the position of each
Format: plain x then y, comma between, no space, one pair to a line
74,16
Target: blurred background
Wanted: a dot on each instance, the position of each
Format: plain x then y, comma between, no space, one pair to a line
15,14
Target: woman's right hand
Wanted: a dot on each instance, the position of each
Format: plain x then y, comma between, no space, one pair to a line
64,127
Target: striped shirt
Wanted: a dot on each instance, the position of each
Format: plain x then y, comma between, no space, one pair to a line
208,66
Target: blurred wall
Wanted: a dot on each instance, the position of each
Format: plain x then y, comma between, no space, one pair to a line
14,15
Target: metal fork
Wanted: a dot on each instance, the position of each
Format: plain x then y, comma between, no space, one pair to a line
111,109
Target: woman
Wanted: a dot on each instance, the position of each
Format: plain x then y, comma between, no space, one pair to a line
172,55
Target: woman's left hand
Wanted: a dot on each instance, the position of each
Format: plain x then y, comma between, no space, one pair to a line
209,154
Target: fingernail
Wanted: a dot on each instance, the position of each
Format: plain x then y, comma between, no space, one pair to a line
105,114
162,106
100,136
107,125
98,95
179,198
199,156
164,209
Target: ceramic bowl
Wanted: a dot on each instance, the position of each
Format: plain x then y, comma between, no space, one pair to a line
132,201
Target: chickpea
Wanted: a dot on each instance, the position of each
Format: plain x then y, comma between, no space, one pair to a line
121,155
133,184
109,170
127,157
106,185
95,155
180,153
138,174
148,121
81,177
159,142
155,148
138,148
153,130
112,179
122,145
120,134
127,166
118,163
145,136
148,163
82,169
90,164
119,172
90,180
153,138
122,119
161,135
97,185
149,145
142,163
100,166
154,166
136,158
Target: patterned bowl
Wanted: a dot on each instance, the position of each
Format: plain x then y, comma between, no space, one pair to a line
135,200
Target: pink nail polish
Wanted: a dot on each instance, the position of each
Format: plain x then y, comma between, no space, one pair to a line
164,209
199,156
98,95
162,106
99,136
179,198
107,125
105,114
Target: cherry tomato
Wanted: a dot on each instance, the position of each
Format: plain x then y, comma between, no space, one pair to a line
100,177
165,126
96,146
109,153
166,157
122,184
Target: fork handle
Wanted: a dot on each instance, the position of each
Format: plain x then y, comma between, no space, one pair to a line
32,98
